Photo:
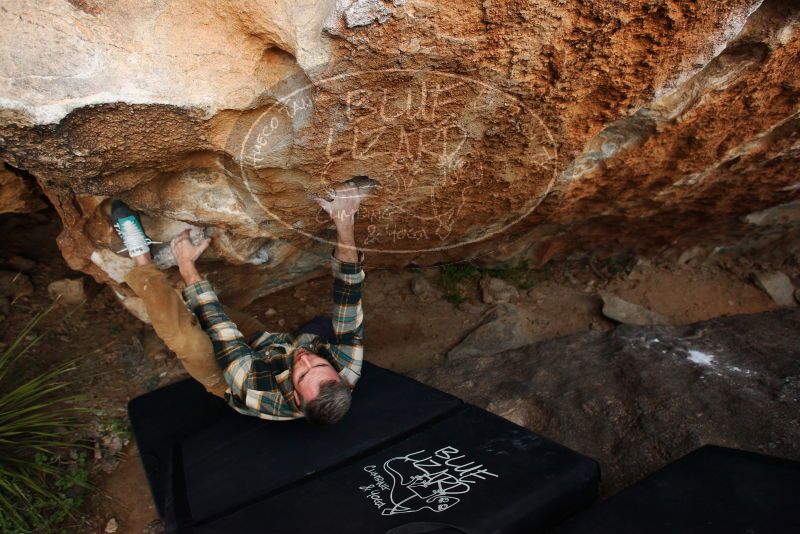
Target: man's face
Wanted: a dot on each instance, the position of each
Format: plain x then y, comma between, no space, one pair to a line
308,372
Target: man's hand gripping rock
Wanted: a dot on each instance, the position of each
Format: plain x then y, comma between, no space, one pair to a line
186,254
342,207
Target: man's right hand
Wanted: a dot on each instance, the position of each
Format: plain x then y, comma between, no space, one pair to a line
186,253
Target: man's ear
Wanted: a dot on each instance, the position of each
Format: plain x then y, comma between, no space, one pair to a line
297,397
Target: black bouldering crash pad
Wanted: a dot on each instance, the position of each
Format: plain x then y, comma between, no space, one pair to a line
166,416
385,404
406,453
711,490
472,470
272,455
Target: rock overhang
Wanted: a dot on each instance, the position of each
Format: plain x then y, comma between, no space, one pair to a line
509,129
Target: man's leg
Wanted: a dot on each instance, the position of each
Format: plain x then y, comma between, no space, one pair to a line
176,325
172,321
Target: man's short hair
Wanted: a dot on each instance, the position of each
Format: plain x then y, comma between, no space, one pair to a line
331,403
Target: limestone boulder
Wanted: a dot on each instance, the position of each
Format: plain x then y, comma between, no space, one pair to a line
638,397
505,327
498,131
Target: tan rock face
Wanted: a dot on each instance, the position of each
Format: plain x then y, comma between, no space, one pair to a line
497,130
16,196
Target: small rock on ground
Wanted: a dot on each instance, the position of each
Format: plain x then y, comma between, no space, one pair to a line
625,312
67,291
778,286
15,285
423,289
495,290
690,255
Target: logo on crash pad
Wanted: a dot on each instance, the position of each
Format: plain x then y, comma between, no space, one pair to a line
423,481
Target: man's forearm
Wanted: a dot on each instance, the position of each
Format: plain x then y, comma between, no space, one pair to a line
189,273
346,242
348,315
228,342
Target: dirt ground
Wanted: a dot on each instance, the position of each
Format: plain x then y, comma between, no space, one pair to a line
404,331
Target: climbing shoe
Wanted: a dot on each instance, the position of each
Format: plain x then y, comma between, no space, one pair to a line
129,228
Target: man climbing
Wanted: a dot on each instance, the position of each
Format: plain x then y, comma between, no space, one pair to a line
277,376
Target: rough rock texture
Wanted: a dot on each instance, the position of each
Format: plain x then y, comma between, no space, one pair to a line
622,311
505,327
495,290
67,291
498,130
638,397
14,285
778,286
16,195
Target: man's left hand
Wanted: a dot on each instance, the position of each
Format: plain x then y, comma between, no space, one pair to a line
346,199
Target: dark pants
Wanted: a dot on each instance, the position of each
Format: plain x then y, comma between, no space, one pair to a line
319,325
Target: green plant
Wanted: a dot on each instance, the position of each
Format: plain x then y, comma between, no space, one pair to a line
520,275
116,426
452,277
612,265
37,419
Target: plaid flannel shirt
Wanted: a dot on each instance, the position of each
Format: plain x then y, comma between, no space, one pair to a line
258,373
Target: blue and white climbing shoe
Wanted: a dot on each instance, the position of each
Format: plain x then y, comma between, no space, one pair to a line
129,228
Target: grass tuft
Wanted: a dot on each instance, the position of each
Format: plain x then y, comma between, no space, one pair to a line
453,277
520,275
38,417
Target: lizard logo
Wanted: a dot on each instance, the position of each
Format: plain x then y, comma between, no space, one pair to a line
420,481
